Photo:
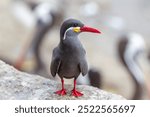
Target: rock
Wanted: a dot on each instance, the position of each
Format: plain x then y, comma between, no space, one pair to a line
16,85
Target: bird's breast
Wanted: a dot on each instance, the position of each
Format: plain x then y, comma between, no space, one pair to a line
71,56
69,68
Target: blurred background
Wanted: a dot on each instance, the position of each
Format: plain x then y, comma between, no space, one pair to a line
119,58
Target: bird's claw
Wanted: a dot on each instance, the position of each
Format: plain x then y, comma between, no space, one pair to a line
76,93
61,92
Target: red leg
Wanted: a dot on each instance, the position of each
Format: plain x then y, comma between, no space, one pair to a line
63,90
19,63
75,92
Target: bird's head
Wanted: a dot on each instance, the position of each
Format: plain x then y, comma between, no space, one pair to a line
74,27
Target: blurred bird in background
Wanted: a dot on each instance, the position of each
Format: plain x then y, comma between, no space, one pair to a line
130,47
42,15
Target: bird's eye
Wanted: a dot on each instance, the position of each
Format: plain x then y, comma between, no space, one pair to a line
75,25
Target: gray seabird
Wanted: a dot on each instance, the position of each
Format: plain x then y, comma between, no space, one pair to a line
68,59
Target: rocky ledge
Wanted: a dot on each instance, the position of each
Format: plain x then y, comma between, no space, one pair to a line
16,85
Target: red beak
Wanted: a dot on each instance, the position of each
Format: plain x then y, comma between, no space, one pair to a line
89,29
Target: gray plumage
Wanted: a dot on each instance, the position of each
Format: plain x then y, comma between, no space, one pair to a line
68,59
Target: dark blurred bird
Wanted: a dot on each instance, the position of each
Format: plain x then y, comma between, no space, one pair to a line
129,48
45,16
95,78
68,59
42,28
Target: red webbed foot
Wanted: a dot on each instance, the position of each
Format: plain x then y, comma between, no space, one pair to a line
76,93
61,92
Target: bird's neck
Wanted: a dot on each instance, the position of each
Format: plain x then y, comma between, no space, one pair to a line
70,40
136,73
129,60
71,44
